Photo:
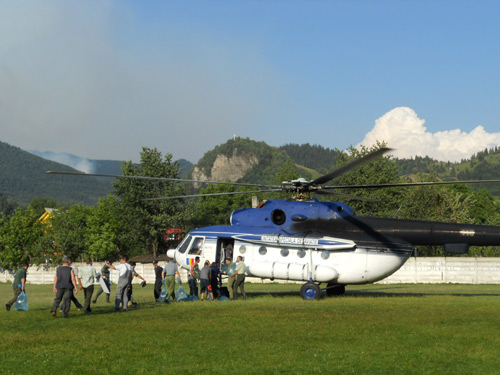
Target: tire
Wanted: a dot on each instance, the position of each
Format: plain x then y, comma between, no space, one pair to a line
310,291
335,290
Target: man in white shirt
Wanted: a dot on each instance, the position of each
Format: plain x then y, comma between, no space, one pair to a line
124,279
86,277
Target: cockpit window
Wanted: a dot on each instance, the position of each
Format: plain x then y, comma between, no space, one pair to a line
197,246
184,244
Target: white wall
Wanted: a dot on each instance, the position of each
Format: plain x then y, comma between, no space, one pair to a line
45,274
415,270
447,270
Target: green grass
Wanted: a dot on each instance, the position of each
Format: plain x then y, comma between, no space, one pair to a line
373,329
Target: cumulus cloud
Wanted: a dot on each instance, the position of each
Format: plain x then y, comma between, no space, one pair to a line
403,130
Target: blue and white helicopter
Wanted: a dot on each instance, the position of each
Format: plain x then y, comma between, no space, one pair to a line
317,242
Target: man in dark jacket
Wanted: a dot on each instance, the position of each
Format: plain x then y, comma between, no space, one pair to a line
158,279
214,279
64,287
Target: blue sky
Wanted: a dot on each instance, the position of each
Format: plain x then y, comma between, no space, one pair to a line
102,79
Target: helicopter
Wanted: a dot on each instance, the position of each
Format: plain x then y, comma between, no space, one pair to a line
319,242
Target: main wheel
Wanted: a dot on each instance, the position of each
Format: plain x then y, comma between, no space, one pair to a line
335,290
310,291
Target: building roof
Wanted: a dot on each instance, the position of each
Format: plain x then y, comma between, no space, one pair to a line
48,214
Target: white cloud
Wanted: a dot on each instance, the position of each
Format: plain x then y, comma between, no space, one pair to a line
403,130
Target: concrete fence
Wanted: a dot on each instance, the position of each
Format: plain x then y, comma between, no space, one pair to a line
44,274
436,270
416,270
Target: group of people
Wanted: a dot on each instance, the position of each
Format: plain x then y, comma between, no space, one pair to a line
237,279
69,280
210,278
66,282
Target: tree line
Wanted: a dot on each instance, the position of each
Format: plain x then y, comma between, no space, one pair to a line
132,219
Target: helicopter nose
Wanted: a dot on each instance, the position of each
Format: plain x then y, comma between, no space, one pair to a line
171,253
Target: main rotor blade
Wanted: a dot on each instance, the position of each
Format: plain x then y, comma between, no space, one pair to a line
211,194
349,166
408,184
346,196
156,178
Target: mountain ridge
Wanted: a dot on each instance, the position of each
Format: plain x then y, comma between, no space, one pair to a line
22,174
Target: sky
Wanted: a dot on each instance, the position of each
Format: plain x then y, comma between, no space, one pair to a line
102,79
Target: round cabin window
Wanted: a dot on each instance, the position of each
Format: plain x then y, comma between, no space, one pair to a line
243,249
278,217
301,253
262,250
284,252
325,254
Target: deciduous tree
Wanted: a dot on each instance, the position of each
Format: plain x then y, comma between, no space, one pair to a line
19,234
145,221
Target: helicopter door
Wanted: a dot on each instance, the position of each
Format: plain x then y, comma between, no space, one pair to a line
224,250
210,249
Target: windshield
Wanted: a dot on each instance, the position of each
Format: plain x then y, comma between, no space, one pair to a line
184,244
197,246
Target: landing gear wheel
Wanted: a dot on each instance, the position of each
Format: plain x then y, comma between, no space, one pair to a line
310,291
335,290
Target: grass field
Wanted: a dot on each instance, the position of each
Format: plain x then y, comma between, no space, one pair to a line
373,329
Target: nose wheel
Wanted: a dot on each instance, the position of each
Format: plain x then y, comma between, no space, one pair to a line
310,291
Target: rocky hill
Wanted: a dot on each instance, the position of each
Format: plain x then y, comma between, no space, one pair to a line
245,160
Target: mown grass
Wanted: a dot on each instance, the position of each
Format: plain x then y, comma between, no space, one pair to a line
374,329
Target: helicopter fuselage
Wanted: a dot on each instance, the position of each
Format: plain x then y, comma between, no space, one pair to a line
323,242
281,256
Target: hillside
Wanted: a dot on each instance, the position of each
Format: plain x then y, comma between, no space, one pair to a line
95,165
23,177
315,157
484,165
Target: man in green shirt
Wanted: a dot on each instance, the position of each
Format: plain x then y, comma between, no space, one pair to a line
18,284
239,281
230,276
168,274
